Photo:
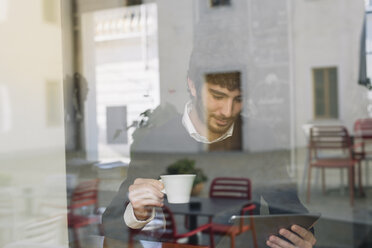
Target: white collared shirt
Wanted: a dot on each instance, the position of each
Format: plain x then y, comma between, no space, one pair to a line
129,217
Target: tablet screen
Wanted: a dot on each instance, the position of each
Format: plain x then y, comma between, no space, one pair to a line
266,225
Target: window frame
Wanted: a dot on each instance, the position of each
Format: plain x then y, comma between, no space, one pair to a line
326,88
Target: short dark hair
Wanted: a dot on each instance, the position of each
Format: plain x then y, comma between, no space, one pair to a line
229,80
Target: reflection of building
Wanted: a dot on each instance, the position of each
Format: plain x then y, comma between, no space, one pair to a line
326,59
126,71
295,69
120,64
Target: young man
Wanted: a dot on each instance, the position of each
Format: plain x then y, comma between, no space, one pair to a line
209,118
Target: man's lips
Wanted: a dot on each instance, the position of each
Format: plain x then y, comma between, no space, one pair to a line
222,122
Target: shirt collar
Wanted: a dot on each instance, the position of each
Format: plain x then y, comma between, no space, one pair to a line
187,123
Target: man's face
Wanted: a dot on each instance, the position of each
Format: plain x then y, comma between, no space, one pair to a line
218,107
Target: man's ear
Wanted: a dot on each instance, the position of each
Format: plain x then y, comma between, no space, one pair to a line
192,88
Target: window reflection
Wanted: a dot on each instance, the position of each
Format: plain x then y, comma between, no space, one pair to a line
291,79
126,75
127,89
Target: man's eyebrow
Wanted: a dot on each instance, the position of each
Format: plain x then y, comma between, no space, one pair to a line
221,93
217,92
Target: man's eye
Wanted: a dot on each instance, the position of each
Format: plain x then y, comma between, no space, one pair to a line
217,97
238,99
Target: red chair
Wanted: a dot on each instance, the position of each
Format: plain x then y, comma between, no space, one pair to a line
363,128
234,188
330,147
83,197
363,133
168,232
231,187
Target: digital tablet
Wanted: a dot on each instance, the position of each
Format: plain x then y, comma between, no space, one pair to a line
266,225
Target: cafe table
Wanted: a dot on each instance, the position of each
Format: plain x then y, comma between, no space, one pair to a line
206,207
94,241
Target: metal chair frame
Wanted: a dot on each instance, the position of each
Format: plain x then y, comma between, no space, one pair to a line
169,232
363,133
332,138
234,188
84,195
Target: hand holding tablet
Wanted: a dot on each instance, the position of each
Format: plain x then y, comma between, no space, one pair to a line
289,230
297,236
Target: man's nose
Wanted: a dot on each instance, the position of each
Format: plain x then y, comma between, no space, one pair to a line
227,108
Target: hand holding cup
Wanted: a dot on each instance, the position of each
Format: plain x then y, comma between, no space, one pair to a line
144,194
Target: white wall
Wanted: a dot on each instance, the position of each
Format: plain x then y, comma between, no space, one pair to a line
30,54
175,36
326,33
31,148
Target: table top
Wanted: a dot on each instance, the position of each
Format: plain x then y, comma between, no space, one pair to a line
109,243
105,242
208,206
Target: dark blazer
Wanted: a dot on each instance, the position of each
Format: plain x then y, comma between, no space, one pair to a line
172,136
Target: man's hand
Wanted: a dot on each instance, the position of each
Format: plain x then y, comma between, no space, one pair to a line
144,194
304,239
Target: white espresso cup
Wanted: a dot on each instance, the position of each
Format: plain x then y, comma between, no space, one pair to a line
178,187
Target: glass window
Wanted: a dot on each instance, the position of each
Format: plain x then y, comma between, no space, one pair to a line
180,115
325,93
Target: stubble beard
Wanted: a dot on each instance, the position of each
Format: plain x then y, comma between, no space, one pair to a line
206,119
